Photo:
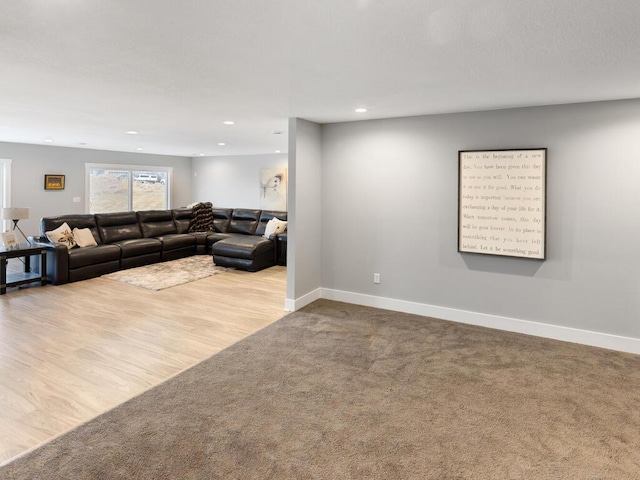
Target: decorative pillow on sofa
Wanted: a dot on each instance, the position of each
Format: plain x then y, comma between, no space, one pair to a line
274,226
84,237
62,236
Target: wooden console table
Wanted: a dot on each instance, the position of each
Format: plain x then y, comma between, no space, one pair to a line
14,279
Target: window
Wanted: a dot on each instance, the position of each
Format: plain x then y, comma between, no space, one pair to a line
118,188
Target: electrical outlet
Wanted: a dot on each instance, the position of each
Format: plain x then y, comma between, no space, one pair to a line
376,278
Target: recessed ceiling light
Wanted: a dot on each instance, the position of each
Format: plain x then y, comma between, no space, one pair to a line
131,132
48,140
361,110
222,144
201,154
277,151
228,122
139,148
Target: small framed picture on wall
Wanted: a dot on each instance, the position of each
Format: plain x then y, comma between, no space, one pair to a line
53,182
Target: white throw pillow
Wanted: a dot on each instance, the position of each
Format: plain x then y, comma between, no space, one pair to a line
84,237
282,226
62,236
275,226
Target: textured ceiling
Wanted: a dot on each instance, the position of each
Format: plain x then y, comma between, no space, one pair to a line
83,72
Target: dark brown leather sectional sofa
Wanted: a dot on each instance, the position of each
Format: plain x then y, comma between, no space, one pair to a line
132,239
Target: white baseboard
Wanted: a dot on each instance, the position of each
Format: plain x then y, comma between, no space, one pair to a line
289,305
556,332
292,305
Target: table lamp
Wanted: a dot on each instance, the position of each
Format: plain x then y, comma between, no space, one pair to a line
16,214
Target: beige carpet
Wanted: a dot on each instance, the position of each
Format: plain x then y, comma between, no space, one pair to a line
337,391
159,276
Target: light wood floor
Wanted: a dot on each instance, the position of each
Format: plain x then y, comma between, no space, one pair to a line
71,352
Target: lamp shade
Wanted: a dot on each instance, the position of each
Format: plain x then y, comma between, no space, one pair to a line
15,213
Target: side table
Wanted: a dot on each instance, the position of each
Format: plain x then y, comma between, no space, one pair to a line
14,279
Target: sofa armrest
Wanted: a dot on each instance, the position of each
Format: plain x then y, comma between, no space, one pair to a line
280,240
57,260
34,240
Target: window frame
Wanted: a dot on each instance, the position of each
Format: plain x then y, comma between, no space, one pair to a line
5,189
168,171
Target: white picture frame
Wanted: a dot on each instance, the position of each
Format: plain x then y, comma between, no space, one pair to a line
10,239
273,189
502,202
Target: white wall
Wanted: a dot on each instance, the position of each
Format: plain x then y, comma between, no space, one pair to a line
232,182
304,248
31,162
389,205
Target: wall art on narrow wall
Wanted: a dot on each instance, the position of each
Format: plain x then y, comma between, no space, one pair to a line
502,202
53,182
273,189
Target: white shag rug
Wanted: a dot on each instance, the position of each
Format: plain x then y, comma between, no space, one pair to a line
159,276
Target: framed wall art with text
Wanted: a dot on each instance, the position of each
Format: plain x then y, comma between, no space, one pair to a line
502,202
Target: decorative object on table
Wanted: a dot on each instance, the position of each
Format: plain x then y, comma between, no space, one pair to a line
273,188
15,215
502,202
159,276
53,182
10,240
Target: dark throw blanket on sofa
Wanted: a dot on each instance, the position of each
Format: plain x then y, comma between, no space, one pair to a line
202,220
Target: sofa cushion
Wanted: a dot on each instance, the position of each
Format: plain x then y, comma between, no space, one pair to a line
82,257
200,237
182,218
119,226
139,246
154,223
243,246
216,237
221,219
244,221
177,240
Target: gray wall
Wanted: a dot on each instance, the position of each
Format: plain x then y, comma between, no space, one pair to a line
232,181
304,255
31,162
389,205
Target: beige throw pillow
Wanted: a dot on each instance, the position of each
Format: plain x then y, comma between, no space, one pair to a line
62,236
84,237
